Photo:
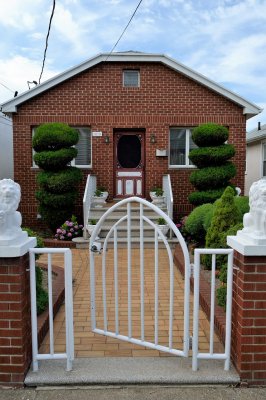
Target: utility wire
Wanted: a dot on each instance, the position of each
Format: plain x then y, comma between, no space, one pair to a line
3,123
8,119
7,87
46,42
120,37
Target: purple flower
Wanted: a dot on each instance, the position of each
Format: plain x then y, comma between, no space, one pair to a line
69,234
76,226
64,231
71,230
80,226
62,237
58,231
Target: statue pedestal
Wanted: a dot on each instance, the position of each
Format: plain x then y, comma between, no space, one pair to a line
17,248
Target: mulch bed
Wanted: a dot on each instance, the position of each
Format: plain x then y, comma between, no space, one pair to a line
205,295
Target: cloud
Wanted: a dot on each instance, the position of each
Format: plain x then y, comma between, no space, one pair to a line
20,15
17,71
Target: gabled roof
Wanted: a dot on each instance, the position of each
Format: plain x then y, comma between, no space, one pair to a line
249,109
256,134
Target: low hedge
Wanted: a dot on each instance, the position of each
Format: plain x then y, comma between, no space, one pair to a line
210,134
213,177
61,181
206,156
54,160
54,136
194,222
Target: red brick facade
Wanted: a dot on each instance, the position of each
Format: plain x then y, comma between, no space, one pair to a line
15,324
249,318
97,99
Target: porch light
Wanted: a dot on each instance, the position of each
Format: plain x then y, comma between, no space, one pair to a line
153,139
106,139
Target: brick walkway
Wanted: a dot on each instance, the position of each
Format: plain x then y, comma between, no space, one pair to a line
88,344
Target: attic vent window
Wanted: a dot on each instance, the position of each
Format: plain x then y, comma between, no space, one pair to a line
131,78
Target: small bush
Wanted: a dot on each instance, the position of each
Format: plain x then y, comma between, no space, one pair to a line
209,135
161,221
41,294
221,296
54,136
56,200
54,216
206,156
194,222
242,203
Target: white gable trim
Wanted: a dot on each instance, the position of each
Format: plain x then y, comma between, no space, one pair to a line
249,109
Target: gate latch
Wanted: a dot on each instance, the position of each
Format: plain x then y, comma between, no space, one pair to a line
96,247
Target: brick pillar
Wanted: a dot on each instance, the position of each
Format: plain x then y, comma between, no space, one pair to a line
249,313
15,324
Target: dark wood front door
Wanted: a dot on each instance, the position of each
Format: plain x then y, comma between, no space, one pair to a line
129,164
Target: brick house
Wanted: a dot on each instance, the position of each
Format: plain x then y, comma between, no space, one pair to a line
134,112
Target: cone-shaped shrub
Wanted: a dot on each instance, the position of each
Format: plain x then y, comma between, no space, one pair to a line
211,157
58,182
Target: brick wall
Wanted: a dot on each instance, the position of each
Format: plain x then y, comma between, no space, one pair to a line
15,328
249,318
97,99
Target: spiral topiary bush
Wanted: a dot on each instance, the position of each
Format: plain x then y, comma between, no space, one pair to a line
58,182
212,159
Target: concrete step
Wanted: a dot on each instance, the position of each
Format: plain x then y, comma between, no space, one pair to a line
130,370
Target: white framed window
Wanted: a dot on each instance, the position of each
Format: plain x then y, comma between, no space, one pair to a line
180,145
264,159
84,157
131,78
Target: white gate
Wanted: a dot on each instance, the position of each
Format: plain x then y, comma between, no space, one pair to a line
141,341
113,233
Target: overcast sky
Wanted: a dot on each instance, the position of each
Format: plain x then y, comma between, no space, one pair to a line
224,40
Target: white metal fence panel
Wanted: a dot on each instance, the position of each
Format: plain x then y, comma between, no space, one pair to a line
69,354
211,355
87,200
167,188
157,235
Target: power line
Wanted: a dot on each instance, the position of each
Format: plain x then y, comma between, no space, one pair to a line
46,42
6,87
3,123
8,119
132,16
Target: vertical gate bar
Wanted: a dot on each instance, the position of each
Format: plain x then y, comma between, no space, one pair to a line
92,290
69,309
195,341
156,296
129,267
212,302
171,310
116,283
33,312
104,291
50,296
228,310
142,309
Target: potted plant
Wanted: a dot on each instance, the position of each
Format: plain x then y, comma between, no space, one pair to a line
103,191
90,227
162,225
98,199
157,196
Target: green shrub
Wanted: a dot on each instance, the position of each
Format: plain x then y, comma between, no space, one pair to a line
54,136
242,203
58,182
194,222
205,156
209,135
215,171
41,294
221,296
226,215
56,200
215,177
63,181
32,233
54,160
207,196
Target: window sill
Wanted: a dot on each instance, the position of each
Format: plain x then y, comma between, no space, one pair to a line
182,167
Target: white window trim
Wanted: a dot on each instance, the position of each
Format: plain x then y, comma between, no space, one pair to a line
72,163
131,70
187,165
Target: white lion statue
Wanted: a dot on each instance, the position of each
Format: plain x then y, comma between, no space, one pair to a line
10,219
255,221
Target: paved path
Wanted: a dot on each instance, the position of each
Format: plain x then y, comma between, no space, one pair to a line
88,344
